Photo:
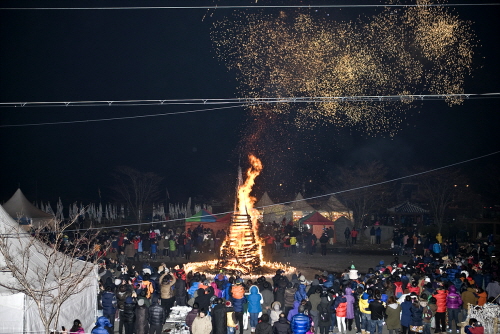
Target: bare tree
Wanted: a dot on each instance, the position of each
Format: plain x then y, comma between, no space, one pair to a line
137,189
442,188
364,198
46,267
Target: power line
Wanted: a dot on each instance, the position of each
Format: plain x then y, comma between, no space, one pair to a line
234,102
254,6
117,118
305,199
246,100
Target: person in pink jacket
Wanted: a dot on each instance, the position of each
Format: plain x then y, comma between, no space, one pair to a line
454,305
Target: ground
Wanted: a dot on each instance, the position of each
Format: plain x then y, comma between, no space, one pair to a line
339,257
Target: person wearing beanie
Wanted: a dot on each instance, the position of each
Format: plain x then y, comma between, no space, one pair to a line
141,318
238,300
365,313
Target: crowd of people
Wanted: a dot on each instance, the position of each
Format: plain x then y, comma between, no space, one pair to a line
432,290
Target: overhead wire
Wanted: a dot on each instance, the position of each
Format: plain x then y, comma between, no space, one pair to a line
255,6
235,103
290,202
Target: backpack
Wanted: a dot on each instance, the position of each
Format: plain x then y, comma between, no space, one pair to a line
427,313
287,241
399,291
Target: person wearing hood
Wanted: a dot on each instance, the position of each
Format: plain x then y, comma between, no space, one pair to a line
282,326
350,308
275,312
416,314
325,314
406,314
294,310
101,324
393,311
453,305
141,318
254,299
289,297
129,315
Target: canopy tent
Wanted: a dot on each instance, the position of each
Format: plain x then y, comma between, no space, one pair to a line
300,207
21,210
272,212
317,221
208,220
333,209
20,313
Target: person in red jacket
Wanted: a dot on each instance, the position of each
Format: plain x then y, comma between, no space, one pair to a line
440,315
341,311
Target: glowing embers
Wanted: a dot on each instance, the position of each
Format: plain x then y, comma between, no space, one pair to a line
241,250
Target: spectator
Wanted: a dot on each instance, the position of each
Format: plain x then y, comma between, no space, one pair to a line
101,324
202,324
300,322
157,317
264,327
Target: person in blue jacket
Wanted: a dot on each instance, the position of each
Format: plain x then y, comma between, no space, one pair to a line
301,293
254,299
300,323
101,324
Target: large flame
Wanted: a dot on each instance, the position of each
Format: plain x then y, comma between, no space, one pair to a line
242,248
246,201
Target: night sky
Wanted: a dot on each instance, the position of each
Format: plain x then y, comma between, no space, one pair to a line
79,55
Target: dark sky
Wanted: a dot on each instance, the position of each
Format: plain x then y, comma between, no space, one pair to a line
78,55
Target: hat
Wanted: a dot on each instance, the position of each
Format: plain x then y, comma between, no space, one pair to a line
139,278
239,281
228,304
302,279
146,271
140,302
118,281
427,279
154,300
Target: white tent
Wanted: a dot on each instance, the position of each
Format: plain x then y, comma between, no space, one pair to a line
19,313
19,208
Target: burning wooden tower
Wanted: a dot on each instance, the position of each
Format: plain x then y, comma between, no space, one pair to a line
242,248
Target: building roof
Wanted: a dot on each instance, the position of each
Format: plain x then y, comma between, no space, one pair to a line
407,208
